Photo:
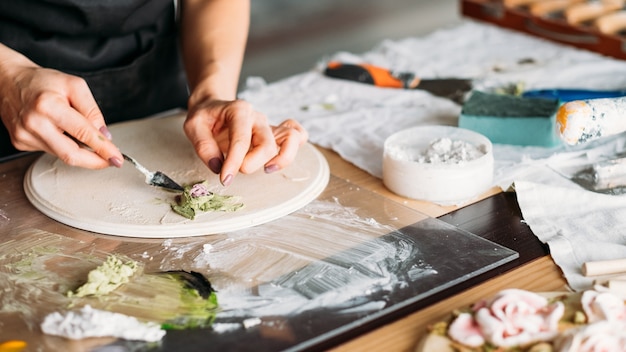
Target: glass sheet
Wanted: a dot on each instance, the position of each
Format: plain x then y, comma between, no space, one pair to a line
346,260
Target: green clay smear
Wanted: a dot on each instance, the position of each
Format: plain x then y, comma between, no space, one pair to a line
191,202
107,277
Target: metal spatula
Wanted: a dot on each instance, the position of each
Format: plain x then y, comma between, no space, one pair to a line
606,176
156,178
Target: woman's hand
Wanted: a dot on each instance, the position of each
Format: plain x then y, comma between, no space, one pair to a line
232,137
289,136
47,110
227,133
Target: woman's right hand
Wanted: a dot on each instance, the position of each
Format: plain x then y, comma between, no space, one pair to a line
48,110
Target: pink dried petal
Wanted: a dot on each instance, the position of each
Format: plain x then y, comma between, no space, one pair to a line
199,190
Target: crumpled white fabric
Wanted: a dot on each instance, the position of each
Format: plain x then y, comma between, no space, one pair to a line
577,224
354,119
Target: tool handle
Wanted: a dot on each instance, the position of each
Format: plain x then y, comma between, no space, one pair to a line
366,73
149,174
573,94
617,285
604,267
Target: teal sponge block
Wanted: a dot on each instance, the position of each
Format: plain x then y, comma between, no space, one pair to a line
508,119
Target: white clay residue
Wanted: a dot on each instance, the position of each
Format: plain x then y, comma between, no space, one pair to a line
52,170
323,256
448,151
129,212
4,217
296,175
30,272
225,327
439,151
89,322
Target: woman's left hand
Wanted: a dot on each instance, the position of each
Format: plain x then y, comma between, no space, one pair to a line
232,137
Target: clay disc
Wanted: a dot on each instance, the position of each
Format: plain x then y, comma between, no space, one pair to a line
118,202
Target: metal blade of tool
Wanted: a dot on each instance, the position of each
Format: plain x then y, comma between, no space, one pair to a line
156,178
606,176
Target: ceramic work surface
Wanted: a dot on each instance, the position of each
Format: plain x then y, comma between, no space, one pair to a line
118,202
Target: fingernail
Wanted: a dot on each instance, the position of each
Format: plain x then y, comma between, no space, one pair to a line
227,180
115,162
105,131
271,168
215,165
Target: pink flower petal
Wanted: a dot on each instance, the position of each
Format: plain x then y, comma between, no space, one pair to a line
466,331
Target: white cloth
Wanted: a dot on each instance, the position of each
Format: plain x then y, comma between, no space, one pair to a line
354,119
578,225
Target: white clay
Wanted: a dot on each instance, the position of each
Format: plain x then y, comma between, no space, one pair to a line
442,164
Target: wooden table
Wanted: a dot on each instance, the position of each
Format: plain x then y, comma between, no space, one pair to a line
538,275
399,335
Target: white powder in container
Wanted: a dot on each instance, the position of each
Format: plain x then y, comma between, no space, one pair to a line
442,164
448,151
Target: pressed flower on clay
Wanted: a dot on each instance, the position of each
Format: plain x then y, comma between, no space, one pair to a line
198,198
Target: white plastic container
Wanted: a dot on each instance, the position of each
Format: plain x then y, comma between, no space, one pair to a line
460,179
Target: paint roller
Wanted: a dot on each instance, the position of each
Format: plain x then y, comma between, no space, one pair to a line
581,121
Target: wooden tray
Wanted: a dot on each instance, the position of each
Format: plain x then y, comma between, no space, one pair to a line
604,35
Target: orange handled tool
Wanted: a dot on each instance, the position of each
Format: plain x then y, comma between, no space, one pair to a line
451,88
366,73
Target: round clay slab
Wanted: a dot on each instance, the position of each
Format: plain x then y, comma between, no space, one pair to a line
118,202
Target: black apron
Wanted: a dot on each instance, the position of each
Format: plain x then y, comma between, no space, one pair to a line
126,50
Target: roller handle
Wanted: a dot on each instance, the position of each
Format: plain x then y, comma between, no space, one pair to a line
573,94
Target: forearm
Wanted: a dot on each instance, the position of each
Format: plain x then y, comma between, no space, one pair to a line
213,37
10,62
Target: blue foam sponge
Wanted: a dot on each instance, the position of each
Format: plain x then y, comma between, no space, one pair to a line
508,119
